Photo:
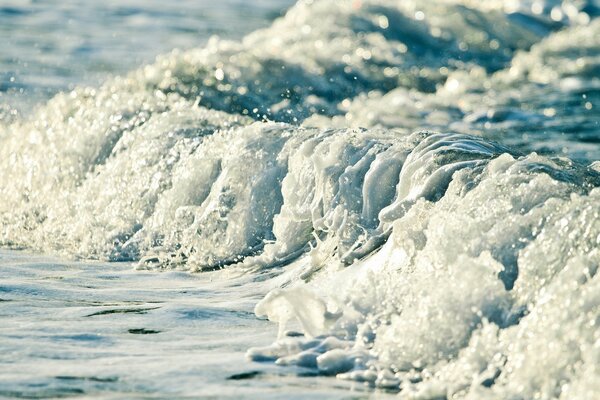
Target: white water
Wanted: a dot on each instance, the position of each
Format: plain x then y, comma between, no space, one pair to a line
435,265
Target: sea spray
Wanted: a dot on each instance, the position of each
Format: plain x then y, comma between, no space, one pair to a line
420,176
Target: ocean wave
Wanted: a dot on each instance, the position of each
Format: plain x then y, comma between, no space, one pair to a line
453,264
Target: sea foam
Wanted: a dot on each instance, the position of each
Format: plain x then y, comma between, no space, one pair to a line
419,175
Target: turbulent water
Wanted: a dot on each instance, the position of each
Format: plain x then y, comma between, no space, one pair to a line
417,182
54,45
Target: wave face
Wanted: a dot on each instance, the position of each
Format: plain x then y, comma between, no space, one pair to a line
424,176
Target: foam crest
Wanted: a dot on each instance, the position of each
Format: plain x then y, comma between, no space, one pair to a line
438,309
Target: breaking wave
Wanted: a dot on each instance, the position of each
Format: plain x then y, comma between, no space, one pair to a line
453,264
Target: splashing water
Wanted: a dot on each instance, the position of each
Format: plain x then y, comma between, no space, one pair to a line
415,185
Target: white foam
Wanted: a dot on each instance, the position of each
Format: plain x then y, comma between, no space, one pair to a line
437,264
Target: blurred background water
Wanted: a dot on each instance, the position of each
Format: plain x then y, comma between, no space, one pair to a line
53,45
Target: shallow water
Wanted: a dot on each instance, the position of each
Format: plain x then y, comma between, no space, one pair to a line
96,329
409,190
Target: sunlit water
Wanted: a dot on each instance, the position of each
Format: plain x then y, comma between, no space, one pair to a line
96,329
408,189
52,45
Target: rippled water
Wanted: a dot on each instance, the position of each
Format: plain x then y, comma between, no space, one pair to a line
51,45
96,329
408,189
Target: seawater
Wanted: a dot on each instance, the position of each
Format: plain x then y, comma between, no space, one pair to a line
51,46
72,329
408,189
